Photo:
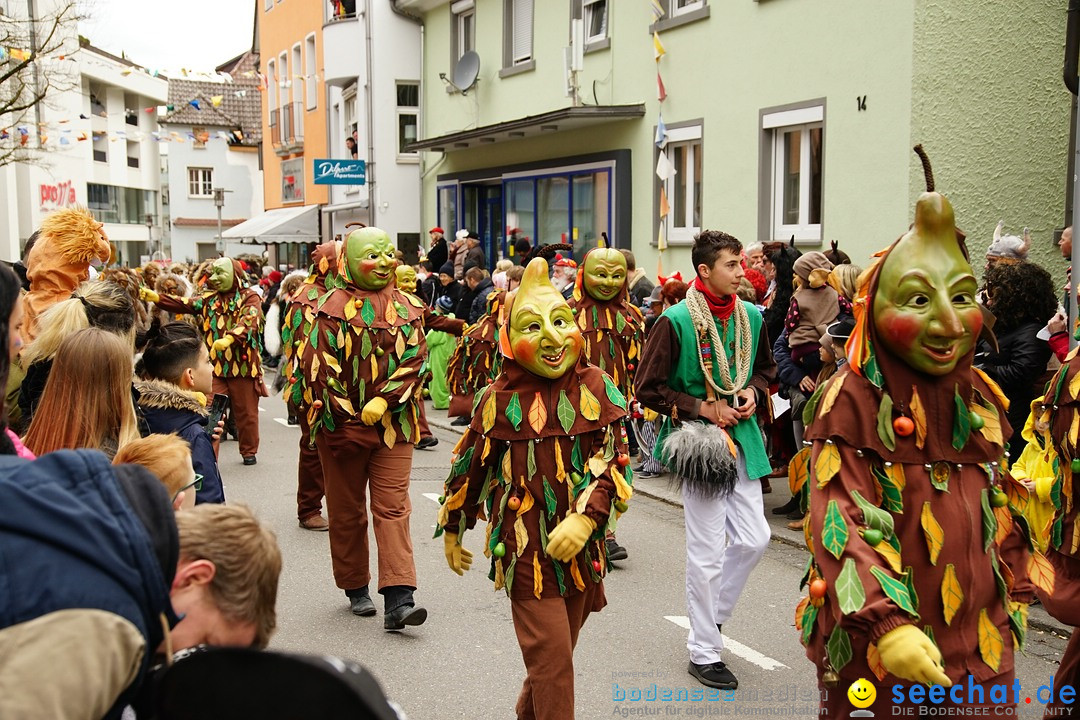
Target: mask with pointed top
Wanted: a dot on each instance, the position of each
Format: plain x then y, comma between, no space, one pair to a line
542,336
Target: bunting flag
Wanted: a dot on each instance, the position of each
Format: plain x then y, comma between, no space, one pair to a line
665,170
658,47
17,54
657,10
665,208
661,245
661,93
661,132
216,100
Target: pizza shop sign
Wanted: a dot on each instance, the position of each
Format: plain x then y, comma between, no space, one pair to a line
60,195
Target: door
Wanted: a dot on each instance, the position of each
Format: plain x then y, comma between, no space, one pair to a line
492,232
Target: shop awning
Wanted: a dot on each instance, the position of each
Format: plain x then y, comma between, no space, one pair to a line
283,225
571,118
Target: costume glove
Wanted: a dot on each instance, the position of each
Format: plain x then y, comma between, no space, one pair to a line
373,411
221,343
908,653
457,557
148,294
649,415
569,536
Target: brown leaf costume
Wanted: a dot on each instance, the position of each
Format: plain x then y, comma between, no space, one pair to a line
475,361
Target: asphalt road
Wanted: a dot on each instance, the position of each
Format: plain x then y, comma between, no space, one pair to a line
464,662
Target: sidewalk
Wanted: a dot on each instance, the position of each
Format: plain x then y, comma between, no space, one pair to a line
661,489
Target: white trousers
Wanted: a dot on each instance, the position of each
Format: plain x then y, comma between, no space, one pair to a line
725,539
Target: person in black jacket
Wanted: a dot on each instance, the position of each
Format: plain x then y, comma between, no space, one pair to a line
480,292
438,253
173,397
1022,298
473,278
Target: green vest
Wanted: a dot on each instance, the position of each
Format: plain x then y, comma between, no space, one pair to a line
687,377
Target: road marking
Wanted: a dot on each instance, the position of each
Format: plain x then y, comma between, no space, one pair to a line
746,653
262,409
285,422
434,497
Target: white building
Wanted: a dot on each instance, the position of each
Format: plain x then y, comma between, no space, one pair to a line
215,132
98,148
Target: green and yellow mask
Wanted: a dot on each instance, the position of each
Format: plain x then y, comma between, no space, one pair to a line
406,278
369,257
543,337
924,307
222,275
604,273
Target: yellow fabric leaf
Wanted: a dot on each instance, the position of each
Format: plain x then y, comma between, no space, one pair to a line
1076,536
576,574
1041,572
994,387
873,659
1074,429
831,393
374,366
583,499
888,552
800,609
827,464
590,406
348,345
507,467
952,594
918,416
935,536
500,578
1071,355
521,535
331,362
799,469
597,465
460,446
487,449
527,501
1004,523
344,403
487,414
456,500
313,369
324,265
391,314
991,429
350,310
1074,386
808,537
622,488
560,468
895,473
538,576
990,643
399,345
537,414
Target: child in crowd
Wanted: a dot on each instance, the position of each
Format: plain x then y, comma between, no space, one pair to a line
172,397
168,457
814,305
440,347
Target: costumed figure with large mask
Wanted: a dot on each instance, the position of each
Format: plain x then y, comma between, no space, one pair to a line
706,367
231,320
920,571
544,461
359,358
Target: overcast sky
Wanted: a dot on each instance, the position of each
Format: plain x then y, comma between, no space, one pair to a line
169,35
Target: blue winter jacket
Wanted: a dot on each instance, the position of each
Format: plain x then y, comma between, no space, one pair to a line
169,409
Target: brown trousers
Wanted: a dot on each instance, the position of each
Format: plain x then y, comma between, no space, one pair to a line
244,394
547,632
422,424
347,476
309,474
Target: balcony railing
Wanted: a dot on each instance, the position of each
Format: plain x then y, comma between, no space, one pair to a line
337,10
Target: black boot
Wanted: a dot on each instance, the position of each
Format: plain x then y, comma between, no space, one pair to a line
360,602
790,506
400,608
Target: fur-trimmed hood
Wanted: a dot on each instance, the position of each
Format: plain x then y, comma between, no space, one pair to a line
160,395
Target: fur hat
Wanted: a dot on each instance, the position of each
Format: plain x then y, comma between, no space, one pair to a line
813,269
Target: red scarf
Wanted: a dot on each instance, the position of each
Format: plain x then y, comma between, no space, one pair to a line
720,307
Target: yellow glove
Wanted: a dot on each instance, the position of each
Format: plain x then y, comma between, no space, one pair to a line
373,411
148,294
569,536
908,653
649,415
220,344
457,557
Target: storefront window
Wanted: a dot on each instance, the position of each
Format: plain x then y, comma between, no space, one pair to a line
553,207
591,211
448,210
520,197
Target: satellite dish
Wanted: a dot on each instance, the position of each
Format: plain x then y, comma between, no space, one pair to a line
466,71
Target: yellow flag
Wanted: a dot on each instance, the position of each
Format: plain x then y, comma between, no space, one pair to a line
216,100
658,47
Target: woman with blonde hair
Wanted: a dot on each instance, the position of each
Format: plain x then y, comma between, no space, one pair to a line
98,303
87,399
845,279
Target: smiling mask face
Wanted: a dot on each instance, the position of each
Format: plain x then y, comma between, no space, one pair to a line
406,278
369,254
543,337
221,275
604,274
924,308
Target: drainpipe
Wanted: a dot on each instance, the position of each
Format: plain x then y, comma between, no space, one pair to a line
368,101
1072,55
421,115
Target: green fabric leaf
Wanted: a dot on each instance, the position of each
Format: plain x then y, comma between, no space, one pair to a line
406,426
808,618
332,339
513,411
806,572
402,311
485,490
1060,384
595,316
1057,532
544,537
894,590
620,322
909,583
961,421
575,456
297,393
392,386
365,344
839,648
566,412
989,522
509,575
361,391
313,336
557,567
834,532
874,516
531,459
355,367
884,422
324,298
891,497
1016,624
461,465
312,294
328,420
613,393
849,589
810,409
550,500
367,312
872,372
999,580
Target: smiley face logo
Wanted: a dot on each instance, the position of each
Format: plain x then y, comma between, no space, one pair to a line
862,694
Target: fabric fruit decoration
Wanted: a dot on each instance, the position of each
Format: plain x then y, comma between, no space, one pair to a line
998,498
903,426
597,566
818,588
976,420
513,502
499,550
1075,465
872,536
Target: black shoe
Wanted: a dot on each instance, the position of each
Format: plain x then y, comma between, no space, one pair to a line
250,460
293,420
790,506
428,442
715,675
460,421
404,615
648,475
362,606
615,551
720,628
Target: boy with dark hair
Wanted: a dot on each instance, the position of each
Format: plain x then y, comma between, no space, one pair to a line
707,366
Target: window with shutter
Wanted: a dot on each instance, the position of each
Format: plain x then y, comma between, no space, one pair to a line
522,28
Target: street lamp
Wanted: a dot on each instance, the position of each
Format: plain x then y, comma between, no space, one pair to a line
219,202
150,234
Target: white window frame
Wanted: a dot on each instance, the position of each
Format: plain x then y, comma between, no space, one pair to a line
414,110
464,14
690,137
201,181
689,7
588,8
520,27
801,120
271,89
311,80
